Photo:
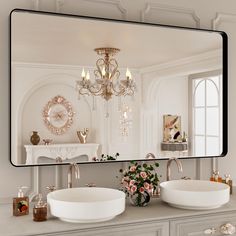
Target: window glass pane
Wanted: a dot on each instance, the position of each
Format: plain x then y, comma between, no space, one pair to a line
199,121
212,121
216,80
213,147
212,93
199,99
199,146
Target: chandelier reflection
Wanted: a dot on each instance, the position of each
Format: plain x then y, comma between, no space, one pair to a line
107,82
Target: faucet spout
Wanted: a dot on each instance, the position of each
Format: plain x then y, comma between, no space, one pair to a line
150,156
178,163
73,168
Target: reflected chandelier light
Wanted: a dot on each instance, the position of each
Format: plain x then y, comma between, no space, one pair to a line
107,81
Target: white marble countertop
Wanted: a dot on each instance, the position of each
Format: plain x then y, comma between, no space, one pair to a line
155,211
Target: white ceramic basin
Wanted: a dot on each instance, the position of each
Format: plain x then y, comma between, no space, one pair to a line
195,194
86,205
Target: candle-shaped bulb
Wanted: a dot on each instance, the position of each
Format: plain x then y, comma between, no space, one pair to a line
87,76
83,73
103,71
128,74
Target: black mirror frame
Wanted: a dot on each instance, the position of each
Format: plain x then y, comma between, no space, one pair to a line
224,84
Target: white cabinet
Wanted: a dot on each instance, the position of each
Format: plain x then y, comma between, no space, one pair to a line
200,226
137,229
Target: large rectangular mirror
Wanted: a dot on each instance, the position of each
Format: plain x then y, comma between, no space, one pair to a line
89,90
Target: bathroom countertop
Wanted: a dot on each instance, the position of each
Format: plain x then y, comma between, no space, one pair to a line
155,211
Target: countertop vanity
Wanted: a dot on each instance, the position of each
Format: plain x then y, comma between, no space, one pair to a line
157,218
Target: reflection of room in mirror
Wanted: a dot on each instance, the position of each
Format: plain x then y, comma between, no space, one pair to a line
181,79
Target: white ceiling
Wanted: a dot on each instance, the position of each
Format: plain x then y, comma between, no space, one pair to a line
41,38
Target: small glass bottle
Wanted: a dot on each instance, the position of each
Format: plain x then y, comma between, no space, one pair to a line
21,203
40,210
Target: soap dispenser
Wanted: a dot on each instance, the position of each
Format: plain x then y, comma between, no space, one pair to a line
21,203
40,210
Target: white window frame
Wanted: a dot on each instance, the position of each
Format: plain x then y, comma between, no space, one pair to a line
205,76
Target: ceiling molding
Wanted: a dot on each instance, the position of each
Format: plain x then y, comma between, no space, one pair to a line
17,64
169,9
212,55
220,17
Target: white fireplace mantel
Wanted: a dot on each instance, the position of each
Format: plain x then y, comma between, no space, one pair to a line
63,151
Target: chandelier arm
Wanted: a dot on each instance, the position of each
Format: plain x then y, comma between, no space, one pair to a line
100,62
114,63
118,93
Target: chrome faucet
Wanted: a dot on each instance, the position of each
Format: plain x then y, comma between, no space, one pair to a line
177,161
73,167
150,156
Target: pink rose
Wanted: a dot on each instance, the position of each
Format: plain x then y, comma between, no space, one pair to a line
128,188
146,185
143,174
132,168
150,189
141,190
132,182
133,188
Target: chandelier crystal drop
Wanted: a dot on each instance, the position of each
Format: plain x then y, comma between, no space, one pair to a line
107,82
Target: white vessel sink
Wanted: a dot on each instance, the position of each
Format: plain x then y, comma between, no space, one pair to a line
86,205
195,194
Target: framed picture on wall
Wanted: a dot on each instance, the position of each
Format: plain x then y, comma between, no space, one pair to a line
171,128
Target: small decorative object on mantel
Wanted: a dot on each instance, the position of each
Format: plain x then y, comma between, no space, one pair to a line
139,182
106,157
47,141
58,115
82,135
34,138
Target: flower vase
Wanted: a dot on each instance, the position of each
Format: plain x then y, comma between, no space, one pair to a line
140,199
35,139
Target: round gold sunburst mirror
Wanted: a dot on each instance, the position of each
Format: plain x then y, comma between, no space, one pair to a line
58,115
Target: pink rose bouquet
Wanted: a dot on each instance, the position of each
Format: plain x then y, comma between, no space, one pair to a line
139,180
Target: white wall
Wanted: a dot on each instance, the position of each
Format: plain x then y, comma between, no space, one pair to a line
195,13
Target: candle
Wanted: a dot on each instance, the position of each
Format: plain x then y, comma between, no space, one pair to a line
128,74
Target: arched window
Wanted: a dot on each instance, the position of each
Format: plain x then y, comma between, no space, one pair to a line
206,114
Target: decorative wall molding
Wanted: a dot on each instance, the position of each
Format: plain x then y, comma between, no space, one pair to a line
36,4
59,5
169,9
227,17
219,18
35,183
117,4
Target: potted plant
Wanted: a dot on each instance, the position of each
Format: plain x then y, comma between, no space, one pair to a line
139,182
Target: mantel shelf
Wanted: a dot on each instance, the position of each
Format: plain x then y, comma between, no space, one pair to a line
63,151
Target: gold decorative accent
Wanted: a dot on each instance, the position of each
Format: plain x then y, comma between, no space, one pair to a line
82,135
107,82
58,115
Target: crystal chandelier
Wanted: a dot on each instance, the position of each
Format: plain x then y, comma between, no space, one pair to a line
125,120
107,82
